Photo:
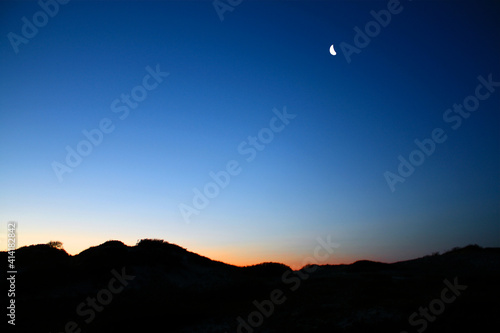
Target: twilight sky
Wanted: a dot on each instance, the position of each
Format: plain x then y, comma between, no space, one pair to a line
244,139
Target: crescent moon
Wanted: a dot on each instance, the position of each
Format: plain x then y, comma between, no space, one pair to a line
332,50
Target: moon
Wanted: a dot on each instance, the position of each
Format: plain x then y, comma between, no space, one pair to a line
332,50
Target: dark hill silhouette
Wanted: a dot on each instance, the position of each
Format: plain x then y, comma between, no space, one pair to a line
367,265
159,286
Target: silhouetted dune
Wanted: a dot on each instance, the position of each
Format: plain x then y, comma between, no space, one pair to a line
41,254
266,269
366,265
158,286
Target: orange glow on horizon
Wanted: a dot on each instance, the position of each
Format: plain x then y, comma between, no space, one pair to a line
237,256
293,260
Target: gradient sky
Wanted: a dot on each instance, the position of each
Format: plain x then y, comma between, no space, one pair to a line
323,174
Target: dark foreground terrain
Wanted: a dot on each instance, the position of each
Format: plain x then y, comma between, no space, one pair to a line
160,287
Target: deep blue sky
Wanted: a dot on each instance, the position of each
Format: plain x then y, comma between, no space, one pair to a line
323,174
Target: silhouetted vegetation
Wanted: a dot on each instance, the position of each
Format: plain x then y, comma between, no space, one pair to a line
472,247
174,290
150,241
55,244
